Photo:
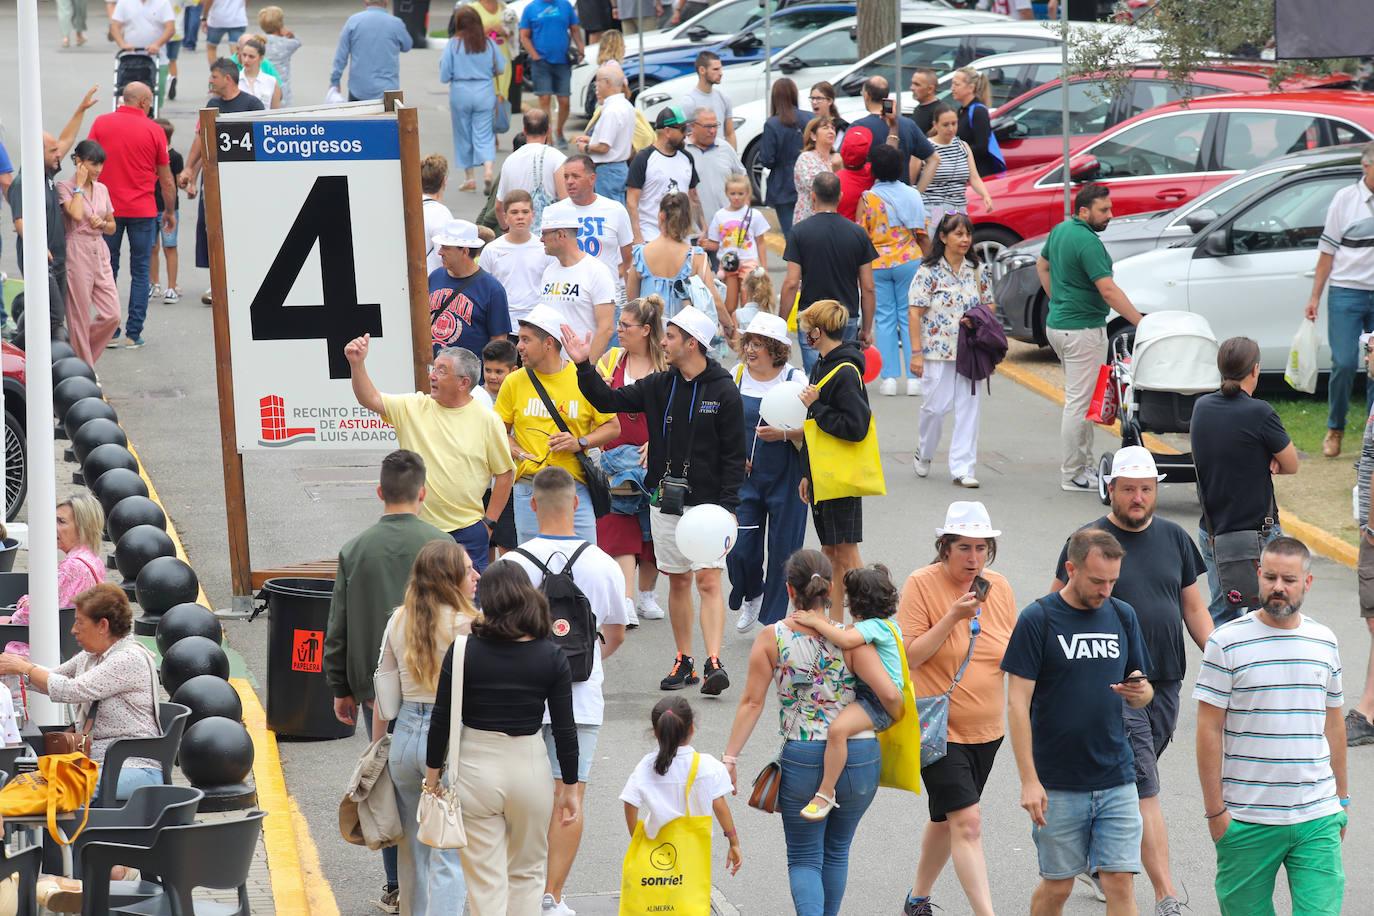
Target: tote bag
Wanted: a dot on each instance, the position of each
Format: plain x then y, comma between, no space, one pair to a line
670,873
63,783
901,744
839,467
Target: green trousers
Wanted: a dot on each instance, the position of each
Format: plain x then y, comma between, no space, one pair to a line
1248,860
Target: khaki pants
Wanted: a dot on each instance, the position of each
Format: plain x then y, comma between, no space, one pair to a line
1082,352
506,789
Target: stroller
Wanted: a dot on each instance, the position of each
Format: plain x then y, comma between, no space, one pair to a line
1173,362
137,66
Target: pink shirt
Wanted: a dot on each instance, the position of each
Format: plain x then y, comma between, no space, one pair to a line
97,204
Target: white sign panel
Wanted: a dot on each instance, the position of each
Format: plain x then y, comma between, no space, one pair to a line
315,255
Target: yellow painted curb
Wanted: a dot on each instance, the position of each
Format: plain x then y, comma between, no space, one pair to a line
1317,539
201,598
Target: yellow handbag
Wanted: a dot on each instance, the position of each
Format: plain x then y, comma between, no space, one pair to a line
670,873
901,744
62,783
839,467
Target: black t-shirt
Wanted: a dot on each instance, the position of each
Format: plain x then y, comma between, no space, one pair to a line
910,140
1160,562
244,101
1234,438
175,166
830,250
924,115
57,233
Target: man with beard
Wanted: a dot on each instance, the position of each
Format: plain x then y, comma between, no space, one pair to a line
659,169
1159,580
1080,296
1271,746
1073,657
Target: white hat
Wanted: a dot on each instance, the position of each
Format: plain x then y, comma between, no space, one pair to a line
547,319
773,327
459,233
1134,461
558,216
695,323
968,519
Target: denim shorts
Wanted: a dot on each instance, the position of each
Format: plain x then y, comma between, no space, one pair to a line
213,35
1102,825
551,79
868,700
586,750
173,49
168,239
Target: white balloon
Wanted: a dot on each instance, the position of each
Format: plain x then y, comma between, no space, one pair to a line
706,533
781,406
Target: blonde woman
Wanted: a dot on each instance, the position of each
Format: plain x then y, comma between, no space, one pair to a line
80,522
438,606
611,48
971,90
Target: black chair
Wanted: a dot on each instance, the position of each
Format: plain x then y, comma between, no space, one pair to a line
162,749
148,810
13,586
213,854
25,864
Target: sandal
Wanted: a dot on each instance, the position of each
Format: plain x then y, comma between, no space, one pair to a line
59,894
815,812
468,185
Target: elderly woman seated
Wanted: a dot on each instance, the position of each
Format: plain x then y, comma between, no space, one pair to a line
80,521
112,670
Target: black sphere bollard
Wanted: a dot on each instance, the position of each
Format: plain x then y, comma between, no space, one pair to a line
131,512
192,656
116,485
72,365
206,695
94,434
138,547
183,620
75,416
160,584
217,755
61,350
70,390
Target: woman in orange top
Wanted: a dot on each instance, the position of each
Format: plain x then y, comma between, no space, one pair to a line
937,607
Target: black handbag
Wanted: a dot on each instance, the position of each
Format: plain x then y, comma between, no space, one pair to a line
597,483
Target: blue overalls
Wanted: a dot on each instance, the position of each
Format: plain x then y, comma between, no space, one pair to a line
769,506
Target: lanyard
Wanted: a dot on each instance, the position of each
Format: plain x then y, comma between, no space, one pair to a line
667,430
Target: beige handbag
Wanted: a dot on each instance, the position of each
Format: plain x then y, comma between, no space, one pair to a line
386,682
440,815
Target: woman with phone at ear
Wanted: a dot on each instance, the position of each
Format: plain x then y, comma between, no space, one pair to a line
955,637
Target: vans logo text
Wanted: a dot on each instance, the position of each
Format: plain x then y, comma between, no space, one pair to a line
1090,645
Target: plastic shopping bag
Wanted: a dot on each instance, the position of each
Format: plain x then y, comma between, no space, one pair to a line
1302,358
1102,408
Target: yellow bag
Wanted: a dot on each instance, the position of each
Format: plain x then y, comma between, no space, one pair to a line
62,783
901,744
644,137
670,873
839,467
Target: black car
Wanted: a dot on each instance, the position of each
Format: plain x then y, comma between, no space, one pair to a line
1021,302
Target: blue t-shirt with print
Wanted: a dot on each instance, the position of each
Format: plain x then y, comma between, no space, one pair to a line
549,22
1078,738
877,632
470,318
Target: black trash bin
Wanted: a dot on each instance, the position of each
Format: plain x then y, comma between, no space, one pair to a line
299,702
415,15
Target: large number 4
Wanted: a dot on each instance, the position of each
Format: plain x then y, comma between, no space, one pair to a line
325,216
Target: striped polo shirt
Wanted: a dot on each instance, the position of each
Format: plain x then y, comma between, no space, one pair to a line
1276,686
1348,236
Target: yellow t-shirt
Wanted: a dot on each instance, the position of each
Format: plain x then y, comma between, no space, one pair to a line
463,448
520,407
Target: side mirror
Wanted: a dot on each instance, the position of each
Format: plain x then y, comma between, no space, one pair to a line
1004,128
746,43
1218,244
699,32
1200,219
791,65
1082,168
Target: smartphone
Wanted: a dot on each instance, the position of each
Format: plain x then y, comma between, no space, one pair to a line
1132,678
887,107
980,588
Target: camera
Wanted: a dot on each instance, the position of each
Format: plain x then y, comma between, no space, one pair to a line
729,262
671,495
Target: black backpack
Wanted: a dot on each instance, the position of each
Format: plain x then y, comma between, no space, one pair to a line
574,624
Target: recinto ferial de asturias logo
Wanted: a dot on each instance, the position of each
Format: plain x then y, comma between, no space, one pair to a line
275,432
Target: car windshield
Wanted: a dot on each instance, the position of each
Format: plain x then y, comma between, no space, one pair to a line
1291,217
787,29
728,18
1225,196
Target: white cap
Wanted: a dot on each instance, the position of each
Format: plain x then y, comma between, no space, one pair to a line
547,319
773,327
969,520
558,216
1135,462
696,324
459,233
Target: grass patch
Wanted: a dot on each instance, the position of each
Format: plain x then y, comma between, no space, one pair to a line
1305,419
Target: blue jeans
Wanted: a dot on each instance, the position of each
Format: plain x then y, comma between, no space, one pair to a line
527,525
1349,313
818,851
191,26
388,852
431,879
784,214
890,324
1216,604
476,539
610,180
131,778
142,230
809,355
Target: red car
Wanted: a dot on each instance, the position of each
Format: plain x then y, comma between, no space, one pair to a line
1171,154
1029,127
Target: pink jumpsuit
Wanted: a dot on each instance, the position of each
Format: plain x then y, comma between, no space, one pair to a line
90,280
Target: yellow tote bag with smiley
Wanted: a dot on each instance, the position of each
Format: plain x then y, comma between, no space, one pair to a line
670,873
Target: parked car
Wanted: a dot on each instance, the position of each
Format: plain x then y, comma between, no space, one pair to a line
16,417
1021,302
1170,155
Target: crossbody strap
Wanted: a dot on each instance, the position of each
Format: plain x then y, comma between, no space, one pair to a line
691,778
548,402
973,638
455,293
455,713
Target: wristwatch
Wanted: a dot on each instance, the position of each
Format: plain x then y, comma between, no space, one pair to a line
582,442
491,525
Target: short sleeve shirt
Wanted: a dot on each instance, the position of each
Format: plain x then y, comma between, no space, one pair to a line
831,250
520,406
1078,259
144,21
576,291
728,228
878,633
910,140
1233,440
716,100
134,147
946,294
657,175
1348,236
603,229
519,267
1078,738
549,22
660,799
6,167
470,318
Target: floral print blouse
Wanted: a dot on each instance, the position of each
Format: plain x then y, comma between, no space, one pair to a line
946,294
809,699
809,165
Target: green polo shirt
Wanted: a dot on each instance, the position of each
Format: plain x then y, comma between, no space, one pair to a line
1078,259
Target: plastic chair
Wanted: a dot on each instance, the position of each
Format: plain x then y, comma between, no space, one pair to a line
162,749
13,586
147,811
25,864
213,854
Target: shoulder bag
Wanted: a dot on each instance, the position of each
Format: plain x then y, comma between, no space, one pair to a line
901,742
63,783
1236,556
764,795
440,813
841,468
934,714
597,484
653,882
386,682
69,740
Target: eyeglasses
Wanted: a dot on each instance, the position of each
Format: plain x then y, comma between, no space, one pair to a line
752,342
622,326
820,98
707,126
437,371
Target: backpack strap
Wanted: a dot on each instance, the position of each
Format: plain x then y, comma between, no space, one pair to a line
567,567
535,560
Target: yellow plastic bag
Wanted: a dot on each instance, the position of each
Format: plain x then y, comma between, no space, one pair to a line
62,783
839,467
670,873
901,744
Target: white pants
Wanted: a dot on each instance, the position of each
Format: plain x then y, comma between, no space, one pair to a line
1082,352
945,391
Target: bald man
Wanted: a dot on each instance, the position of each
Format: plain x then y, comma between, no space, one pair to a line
136,167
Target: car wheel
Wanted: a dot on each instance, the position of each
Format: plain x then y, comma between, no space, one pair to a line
16,466
1104,470
989,242
1125,332
754,171
1040,311
634,88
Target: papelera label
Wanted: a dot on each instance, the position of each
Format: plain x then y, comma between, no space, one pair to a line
307,651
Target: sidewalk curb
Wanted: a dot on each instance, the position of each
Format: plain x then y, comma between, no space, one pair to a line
1317,539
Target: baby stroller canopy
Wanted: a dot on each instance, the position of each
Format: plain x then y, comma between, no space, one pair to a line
1175,351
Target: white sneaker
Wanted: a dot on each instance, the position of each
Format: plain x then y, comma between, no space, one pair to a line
172,296
922,467
155,292
633,619
551,907
888,388
749,614
913,388
647,607
967,481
